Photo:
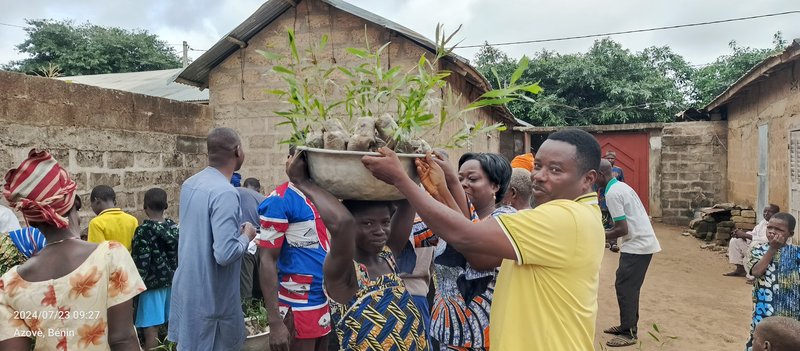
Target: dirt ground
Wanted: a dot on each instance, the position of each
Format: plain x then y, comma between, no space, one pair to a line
685,294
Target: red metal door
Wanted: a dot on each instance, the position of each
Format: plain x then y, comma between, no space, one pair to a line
633,156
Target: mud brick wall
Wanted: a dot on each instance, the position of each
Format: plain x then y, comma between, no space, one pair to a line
128,141
775,102
693,168
238,85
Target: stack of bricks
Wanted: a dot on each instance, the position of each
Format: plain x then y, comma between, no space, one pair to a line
717,223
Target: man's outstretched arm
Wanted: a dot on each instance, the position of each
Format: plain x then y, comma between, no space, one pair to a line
486,237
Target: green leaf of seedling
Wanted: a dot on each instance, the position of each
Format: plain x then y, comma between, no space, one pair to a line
497,93
488,102
358,52
655,327
345,71
293,46
452,35
269,55
424,118
324,42
654,336
382,48
281,69
533,88
496,76
521,68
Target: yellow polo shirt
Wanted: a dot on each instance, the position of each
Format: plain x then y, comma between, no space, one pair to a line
113,224
547,300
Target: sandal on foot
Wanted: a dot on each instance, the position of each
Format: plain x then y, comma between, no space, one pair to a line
621,341
615,331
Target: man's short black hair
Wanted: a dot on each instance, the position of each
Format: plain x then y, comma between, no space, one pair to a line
155,199
357,206
103,193
587,149
791,222
252,182
775,208
496,167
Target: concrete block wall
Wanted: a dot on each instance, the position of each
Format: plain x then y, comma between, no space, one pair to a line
237,86
693,168
128,141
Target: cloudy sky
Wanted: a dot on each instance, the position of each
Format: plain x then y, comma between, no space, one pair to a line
203,22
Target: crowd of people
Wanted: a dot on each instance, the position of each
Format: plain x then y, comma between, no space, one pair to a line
491,254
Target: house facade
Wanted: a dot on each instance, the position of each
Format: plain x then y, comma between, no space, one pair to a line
763,113
233,71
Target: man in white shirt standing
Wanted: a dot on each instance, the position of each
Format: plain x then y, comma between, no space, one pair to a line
8,221
741,242
637,245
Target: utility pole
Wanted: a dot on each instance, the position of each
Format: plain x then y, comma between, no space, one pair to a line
185,53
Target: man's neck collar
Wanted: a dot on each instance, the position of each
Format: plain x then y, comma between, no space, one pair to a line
610,183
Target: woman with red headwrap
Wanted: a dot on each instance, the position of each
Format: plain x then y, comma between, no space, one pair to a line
72,294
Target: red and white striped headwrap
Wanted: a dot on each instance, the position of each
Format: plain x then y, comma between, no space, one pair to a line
40,189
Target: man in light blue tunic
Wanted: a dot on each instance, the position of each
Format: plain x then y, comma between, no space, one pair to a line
206,311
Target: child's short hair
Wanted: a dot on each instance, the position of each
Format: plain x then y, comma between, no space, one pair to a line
783,333
357,206
789,219
155,199
103,193
252,182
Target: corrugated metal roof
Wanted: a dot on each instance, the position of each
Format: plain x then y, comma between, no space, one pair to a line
759,71
154,83
198,71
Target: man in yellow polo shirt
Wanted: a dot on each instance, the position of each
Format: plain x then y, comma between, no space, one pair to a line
111,222
546,294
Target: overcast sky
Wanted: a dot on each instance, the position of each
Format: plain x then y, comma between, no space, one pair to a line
203,22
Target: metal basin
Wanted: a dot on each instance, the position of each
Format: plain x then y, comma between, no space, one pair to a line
344,176
258,342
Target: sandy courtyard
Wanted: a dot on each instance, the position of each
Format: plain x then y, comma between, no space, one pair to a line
685,294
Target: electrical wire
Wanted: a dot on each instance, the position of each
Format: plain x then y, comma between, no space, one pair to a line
630,31
12,25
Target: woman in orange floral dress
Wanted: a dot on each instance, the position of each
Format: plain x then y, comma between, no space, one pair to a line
72,295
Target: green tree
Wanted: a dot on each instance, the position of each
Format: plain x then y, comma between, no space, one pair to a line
90,49
713,79
606,85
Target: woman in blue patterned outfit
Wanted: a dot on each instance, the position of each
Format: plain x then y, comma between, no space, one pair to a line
776,267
